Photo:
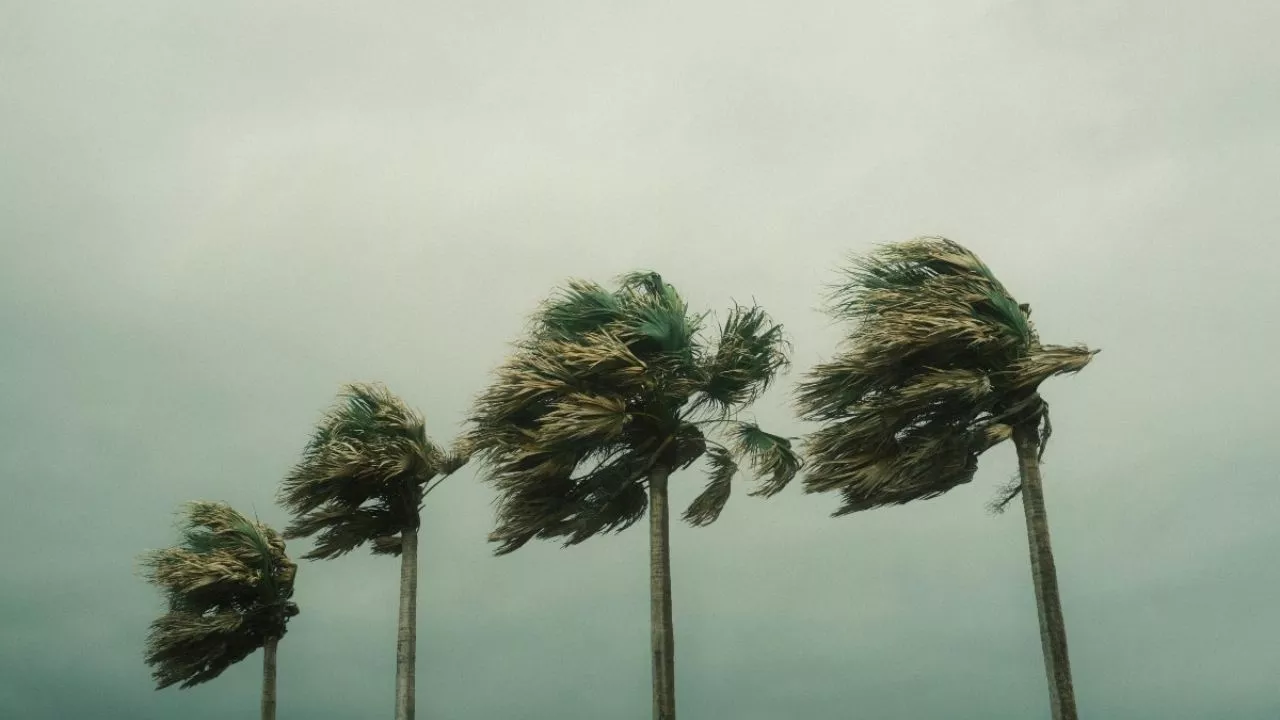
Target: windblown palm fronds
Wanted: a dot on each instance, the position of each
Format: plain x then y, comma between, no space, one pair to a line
944,363
363,474
228,585
609,384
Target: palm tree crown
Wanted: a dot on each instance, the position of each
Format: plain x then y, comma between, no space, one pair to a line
609,384
363,474
944,365
227,583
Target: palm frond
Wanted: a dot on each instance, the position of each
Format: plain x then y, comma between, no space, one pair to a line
706,508
690,444
222,555
542,373
750,353
338,530
580,309
917,469
457,456
188,649
609,498
578,417
1045,361
771,457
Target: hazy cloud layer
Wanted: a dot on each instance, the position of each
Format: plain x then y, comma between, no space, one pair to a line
213,214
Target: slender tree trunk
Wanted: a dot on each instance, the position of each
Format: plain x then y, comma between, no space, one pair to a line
1044,575
407,632
269,678
661,628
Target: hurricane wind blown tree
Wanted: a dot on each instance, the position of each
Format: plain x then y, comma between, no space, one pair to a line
362,480
608,395
943,365
228,585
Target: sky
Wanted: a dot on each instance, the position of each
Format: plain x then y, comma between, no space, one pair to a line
212,215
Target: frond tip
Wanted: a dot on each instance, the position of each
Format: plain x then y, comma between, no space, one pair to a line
770,455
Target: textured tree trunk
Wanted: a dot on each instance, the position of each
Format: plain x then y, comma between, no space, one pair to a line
269,678
1053,628
407,632
661,628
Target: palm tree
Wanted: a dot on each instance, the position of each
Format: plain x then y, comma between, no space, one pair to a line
362,479
944,365
602,401
228,584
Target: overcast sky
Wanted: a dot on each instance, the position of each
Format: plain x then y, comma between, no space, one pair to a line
213,214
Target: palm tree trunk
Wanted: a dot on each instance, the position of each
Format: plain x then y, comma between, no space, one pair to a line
407,632
661,628
1044,575
269,678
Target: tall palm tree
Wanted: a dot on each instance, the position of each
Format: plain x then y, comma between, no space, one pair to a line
602,401
228,584
362,480
944,365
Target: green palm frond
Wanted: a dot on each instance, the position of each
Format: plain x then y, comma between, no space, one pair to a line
580,309
363,473
227,585
770,456
606,385
750,353
657,320
943,360
706,508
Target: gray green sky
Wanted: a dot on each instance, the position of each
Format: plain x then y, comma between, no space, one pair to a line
212,214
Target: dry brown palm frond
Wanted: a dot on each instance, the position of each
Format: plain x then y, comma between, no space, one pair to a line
185,571
1045,361
578,416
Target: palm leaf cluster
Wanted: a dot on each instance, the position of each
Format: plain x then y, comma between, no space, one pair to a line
363,474
608,384
227,583
943,365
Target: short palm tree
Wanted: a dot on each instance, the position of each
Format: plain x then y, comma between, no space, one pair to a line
228,584
602,401
362,480
944,364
